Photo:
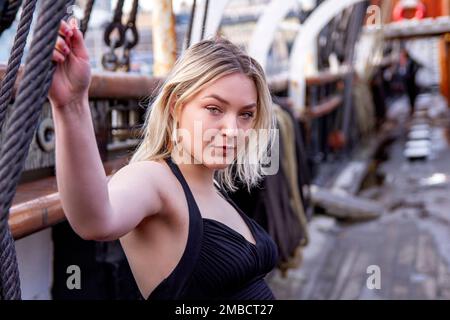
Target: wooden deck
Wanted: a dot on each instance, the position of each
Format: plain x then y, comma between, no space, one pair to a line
410,243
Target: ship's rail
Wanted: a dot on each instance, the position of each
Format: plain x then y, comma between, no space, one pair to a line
121,85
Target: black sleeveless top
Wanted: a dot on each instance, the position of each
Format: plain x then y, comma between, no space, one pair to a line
218,262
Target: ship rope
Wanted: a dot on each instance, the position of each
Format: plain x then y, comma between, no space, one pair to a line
20,126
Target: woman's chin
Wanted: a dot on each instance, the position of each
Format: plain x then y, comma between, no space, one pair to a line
218,162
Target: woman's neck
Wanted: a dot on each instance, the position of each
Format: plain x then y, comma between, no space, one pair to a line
198,176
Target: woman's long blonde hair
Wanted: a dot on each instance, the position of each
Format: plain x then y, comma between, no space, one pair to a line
199,65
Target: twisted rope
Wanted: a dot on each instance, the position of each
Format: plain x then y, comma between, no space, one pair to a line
6,91
19,132
7,86
7,18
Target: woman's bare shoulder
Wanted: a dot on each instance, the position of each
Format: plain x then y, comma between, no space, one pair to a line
142,172
144,177
142,189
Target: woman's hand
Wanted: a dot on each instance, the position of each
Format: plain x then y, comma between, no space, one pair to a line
73,73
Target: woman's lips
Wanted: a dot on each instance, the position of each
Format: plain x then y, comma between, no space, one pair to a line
225,149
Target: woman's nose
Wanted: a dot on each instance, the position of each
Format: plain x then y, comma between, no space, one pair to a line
230,126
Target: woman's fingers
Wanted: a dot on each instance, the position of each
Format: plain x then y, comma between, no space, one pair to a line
62,46
61,51
65,29
58,56
78,45
70,39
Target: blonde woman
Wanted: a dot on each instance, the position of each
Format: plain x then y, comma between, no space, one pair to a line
182,235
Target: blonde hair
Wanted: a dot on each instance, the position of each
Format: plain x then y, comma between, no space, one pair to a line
199,65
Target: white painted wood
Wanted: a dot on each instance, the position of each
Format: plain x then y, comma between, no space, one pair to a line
213,19
266,27
304,45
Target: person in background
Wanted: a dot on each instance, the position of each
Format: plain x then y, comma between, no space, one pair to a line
407,71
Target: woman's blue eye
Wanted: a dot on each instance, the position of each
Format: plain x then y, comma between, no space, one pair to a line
248,115
213,110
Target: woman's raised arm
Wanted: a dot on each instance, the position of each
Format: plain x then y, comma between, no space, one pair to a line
96,209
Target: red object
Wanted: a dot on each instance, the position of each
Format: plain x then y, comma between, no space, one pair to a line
336,140
399,11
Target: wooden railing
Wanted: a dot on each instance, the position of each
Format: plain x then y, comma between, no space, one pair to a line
325,107
127,85
123,85
37,206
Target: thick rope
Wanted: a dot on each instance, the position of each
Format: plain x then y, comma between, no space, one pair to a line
7,86
7,17
6,91
20,130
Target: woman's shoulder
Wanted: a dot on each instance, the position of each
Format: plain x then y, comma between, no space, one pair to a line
146,175
151,180
142,169
151,166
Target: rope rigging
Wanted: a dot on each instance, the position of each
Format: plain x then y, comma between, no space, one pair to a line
131,37
119,35
20,128
109,59
87,16
6,88
8,12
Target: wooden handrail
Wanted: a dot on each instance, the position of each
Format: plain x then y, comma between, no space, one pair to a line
324,108
325,77
105,85
37,206
410,29
122,85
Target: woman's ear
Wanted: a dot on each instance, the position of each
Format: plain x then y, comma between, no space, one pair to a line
172,108
175,113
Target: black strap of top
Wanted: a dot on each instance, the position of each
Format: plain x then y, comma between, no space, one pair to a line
174,285
195,217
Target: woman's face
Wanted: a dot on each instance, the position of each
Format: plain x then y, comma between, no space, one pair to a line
213,124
